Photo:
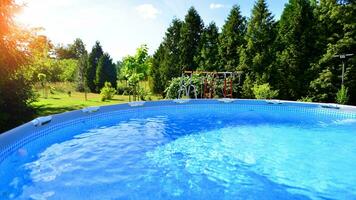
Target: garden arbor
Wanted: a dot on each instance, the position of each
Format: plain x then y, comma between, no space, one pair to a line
209,84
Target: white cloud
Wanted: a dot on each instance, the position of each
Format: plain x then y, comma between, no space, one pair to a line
147,11
216,6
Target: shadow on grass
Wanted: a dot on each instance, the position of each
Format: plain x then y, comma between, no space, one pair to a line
49,109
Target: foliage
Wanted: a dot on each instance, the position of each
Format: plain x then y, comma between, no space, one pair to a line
256,60
264,91
105,72
336,35
190,34
71,51
172,90
93,61
82,69
166,62
136,68
306,99
144,94
123,88
342,96
296,48
208,56
322,89
55,70
107,92
181,85
16,93
231,39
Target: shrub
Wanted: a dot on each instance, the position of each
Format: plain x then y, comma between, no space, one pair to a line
342,96
144,94
306,99
264,91
172,90
122,88
107,92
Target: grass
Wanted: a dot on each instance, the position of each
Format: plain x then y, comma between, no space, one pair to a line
60,101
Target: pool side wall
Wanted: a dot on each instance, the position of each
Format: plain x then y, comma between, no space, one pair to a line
14,139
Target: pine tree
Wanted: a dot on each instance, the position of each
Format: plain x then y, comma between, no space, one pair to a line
157,85
190,39
335,22
296,41
208,57
232,39
105,72
82,69
78,48
93,60
257,58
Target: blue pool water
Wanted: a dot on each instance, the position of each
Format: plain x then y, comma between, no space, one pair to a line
221,151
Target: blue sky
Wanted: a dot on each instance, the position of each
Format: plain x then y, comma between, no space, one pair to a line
122,25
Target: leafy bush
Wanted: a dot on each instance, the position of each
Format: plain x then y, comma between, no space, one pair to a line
172,91
55,70
306,99
342,96
122,88
143,94
107,92
264,91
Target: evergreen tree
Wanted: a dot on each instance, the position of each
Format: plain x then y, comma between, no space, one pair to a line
82,69
157,85
78,48
296,40
71,51
166,62
208,57
105,72
93,60
335,20
190,39
171,65
232,39
257,58
323,88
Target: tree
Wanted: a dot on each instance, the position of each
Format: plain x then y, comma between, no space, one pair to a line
82,69
322,88
208,56
71,51
16,93
231,39
136,68
157,84
166,62
105,72
336,33
296,42
257,58
190,34
93,60
78,48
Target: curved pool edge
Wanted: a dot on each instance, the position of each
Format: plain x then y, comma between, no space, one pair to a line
11,140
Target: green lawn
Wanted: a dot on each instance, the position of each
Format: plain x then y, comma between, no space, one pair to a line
62,102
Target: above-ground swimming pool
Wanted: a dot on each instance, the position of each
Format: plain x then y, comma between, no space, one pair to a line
184,149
